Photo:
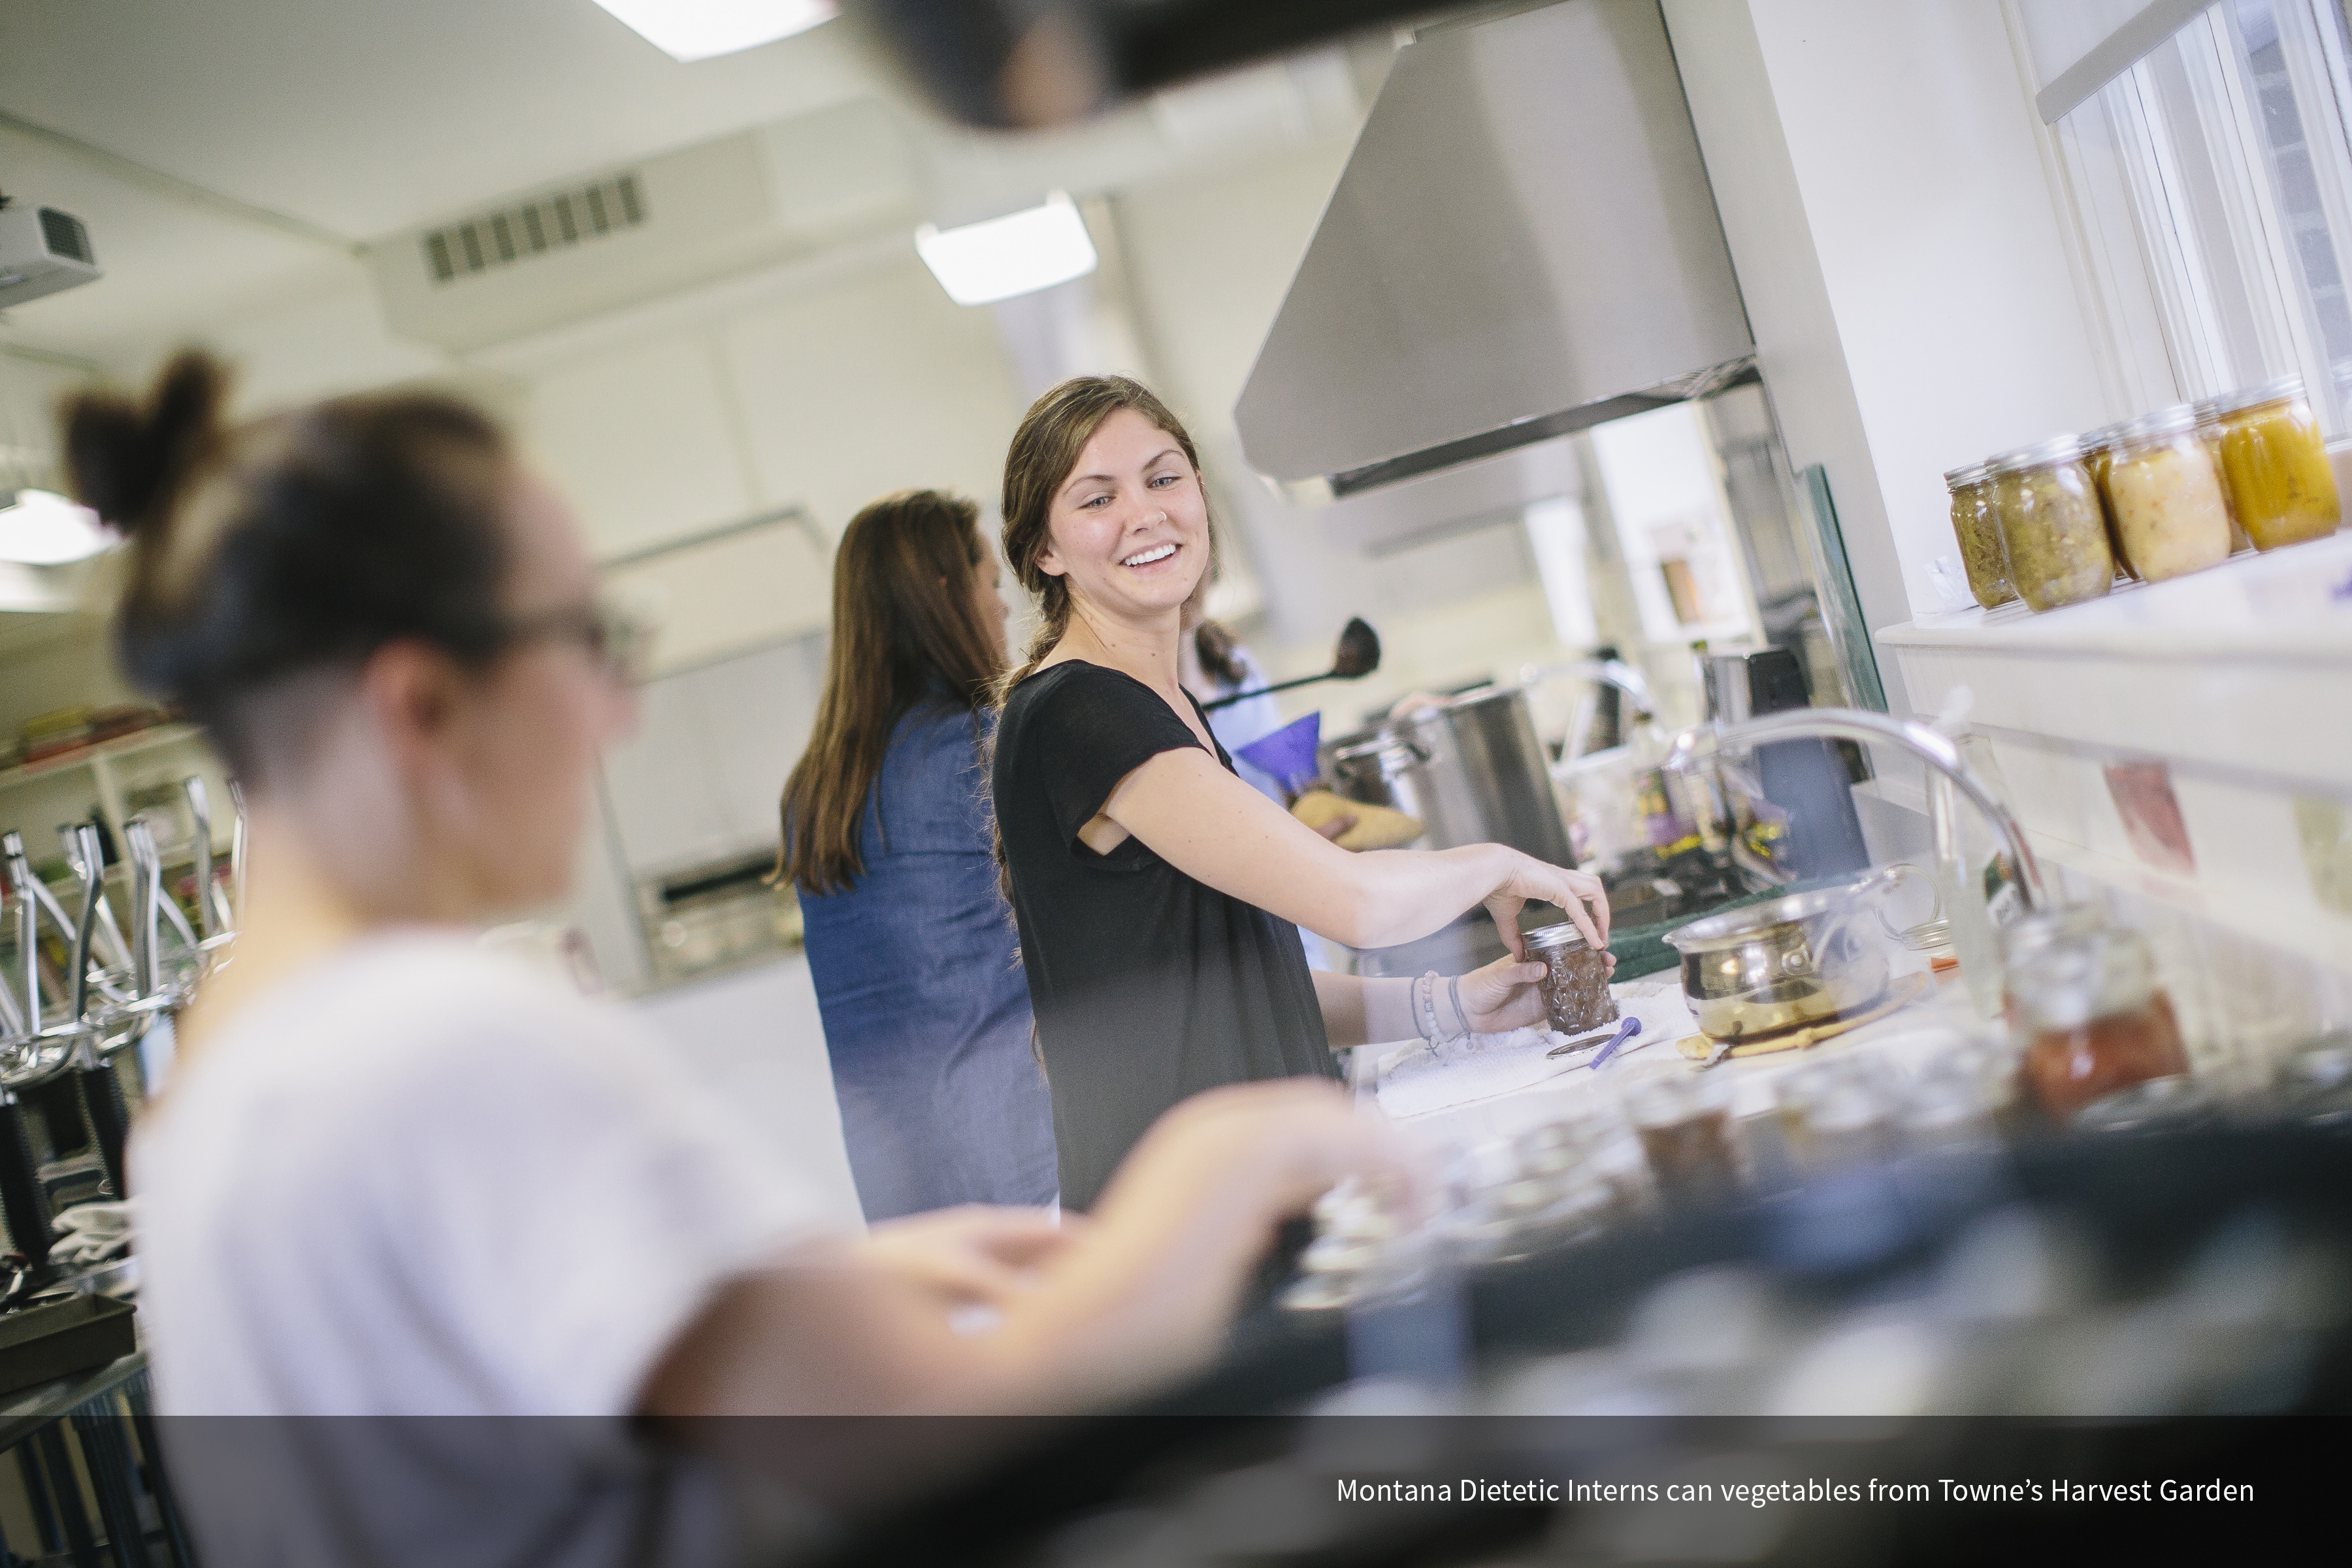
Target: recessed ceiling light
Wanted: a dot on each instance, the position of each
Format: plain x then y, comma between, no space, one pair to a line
698,30
46,530
1020,253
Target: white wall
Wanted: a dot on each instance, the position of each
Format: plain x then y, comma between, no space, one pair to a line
1900,250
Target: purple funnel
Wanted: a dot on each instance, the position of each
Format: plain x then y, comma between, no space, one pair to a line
1288,754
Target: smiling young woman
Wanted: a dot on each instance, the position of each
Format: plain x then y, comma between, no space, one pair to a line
1157,895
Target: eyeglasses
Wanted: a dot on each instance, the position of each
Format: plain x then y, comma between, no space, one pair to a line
618,638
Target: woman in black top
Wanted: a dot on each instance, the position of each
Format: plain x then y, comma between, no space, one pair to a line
1157,894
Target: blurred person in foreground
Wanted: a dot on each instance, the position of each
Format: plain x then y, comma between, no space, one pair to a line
886,839
394,1176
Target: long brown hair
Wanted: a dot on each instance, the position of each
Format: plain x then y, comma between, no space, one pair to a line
907,625
1052,437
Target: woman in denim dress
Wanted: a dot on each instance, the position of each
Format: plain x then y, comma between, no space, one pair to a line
887,837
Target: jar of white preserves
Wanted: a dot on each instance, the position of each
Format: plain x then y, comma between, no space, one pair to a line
2170,517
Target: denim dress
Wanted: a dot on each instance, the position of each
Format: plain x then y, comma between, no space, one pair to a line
926,1009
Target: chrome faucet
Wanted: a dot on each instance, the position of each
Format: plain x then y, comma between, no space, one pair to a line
1614,672
1694,747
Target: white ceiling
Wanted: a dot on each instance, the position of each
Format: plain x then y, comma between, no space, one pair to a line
360,119
369,118
360,122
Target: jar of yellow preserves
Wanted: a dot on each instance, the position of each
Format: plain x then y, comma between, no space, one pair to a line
2166,495
2051,526
1978,529
2275,465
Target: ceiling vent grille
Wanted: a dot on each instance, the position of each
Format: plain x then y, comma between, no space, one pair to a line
476,244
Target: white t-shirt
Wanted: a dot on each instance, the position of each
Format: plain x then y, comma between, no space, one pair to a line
419,1180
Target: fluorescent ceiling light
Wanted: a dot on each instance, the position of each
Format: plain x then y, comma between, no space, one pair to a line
45,530
698,30
1019,253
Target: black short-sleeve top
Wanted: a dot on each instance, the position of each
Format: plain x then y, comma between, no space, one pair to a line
1146,986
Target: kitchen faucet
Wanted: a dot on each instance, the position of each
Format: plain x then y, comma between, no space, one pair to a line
1703,743
1614,672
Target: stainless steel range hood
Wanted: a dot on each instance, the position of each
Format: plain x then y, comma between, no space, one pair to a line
1523,244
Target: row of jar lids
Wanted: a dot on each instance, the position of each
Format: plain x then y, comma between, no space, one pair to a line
2178,418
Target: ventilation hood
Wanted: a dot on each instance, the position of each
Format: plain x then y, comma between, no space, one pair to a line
1523,244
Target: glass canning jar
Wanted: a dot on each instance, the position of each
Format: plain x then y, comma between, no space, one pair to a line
2098,454
2092,1020
2051,525
2166,497
2209,430
2274,461
1575,985
1977,529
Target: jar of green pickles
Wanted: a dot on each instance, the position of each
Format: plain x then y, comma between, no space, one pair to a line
2275,464
2166,497
1978,529
2051,525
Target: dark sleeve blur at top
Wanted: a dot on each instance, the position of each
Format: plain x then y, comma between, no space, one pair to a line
1097,726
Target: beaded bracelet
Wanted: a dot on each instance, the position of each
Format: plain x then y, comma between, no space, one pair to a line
1425,992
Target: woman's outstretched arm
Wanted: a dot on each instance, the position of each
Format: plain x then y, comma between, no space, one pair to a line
1214,828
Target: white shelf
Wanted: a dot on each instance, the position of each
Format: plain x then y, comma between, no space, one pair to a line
2243,673
129,745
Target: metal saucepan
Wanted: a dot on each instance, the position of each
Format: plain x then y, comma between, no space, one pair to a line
1471,770
1799,960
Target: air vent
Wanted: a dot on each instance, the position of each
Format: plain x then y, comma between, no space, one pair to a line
64,234
531,228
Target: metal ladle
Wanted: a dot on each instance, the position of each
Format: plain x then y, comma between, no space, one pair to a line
1357,656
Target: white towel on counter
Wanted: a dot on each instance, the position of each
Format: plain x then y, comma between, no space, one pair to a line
1416,1080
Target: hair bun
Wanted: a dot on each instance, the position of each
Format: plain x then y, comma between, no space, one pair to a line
123,459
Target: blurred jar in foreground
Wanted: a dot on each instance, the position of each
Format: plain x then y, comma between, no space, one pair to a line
1837,1111
2166,494
2091,1019
2051,525
1684,1120
2274,461
1977,528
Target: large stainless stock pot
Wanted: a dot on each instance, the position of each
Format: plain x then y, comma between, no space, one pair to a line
1798,960
1472,770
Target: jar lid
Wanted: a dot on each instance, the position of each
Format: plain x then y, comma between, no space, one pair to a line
2028,932
2041,454
1954,477
1561,938
2270,391
2178,420
2103,435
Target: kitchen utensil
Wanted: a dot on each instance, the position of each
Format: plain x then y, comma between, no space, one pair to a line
1288,753
1472,770
1802,960
1625,1031
1357,656
1592,1038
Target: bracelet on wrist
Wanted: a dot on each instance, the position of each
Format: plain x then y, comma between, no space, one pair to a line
1453,989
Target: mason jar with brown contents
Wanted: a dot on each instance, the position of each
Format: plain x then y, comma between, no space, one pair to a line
1978,529
2166,494
2092,1020
2051,525
1575,986
2275,464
